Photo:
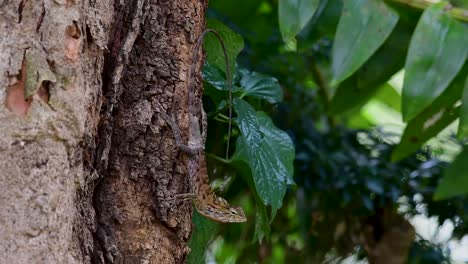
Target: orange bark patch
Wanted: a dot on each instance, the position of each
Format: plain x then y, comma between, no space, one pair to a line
15,100
70,3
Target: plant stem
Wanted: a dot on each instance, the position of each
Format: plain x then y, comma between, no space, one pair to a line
221,116
221,120
455,12
211,156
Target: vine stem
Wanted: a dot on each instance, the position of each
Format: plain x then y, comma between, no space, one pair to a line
225,161
455,12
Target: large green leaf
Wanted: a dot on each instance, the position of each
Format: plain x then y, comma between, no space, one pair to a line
455,180
386,100
422,128
364,25
214,76
432,120
323,23
255,25
234,44
463,126
267,150
253,84
437,52
365,82
294,15
203,232
260,86
262,223
389,96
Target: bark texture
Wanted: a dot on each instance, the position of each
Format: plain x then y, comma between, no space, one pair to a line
141,165
51,59
86,163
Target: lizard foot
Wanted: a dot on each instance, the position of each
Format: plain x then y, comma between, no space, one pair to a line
191,150
180,197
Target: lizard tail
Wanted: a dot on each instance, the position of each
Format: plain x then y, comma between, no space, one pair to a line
193,110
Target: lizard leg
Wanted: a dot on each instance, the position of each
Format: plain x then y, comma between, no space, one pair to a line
183,197
180,197
177,135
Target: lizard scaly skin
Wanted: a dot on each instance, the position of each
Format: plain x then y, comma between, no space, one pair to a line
206,201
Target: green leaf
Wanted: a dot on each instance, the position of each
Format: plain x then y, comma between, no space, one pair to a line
389,96
433,119
463,126
268,151
323,23
203,231
356,120
437,51
422,128
247,15
260,86
253,84
364,25
293,15
214,76
455,180
366,81
262,223
234,44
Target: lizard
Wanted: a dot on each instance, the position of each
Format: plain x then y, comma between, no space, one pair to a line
206,202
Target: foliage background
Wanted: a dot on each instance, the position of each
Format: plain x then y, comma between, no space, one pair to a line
322,71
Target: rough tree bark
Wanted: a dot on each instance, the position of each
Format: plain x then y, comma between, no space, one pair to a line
86,162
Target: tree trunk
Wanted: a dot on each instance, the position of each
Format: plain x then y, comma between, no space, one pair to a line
387,237
86,162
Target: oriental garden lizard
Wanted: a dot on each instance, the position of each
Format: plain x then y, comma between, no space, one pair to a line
206,201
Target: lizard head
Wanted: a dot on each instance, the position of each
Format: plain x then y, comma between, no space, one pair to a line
220,211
